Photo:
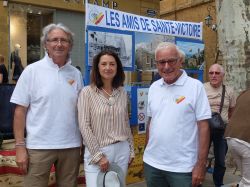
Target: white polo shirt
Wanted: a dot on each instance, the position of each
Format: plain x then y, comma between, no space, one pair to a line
173,136
50,93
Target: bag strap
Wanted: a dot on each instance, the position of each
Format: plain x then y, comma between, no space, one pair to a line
103,182
222,97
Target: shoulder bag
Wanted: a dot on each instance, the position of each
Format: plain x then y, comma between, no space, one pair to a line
216,122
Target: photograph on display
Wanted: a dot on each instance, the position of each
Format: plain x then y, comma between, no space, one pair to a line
142,100
145,45
121,42
128,90
194,51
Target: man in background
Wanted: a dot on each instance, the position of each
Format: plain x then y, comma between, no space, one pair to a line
214,93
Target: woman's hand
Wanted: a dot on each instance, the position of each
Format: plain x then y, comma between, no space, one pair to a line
103,164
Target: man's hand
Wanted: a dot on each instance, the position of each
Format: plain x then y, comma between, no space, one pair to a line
198,174
22,160
18,127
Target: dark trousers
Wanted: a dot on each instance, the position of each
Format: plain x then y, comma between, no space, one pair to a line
159,178
220,151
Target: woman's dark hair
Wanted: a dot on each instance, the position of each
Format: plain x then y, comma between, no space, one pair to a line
96,76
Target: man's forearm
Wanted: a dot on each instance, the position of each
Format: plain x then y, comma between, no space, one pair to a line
204,139
147,131
19,123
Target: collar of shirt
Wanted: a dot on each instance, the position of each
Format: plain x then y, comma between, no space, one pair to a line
50,62
180,81
115,91
213,88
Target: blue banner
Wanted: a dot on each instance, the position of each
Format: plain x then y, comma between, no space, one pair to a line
114,19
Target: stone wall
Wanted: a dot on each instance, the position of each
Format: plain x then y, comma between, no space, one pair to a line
233,20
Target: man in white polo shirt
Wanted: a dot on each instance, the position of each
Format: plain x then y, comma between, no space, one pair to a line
178,132
46,98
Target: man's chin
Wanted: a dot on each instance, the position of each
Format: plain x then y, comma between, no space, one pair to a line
59,54
214,82
168,80
167,76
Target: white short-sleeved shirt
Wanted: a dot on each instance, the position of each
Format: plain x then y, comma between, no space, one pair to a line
50,93
173,136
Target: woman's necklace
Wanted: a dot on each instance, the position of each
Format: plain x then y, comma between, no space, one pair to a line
110,95
111,99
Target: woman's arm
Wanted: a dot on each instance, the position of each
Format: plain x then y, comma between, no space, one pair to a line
84,118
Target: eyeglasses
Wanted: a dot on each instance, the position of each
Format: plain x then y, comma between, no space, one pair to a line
56,41
214,72
170,62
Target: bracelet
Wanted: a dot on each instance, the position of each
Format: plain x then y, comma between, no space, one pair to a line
20,144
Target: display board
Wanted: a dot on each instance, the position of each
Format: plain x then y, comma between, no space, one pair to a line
112,29
134,38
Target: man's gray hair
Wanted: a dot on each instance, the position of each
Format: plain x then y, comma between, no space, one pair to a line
47,29
220,67
164,45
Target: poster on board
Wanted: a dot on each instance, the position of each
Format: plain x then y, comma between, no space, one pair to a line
194,53
121,42
145,45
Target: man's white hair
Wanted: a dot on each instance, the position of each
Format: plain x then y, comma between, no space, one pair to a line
219,66
164,45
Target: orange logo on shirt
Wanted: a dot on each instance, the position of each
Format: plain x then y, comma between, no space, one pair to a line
180,99
71,81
